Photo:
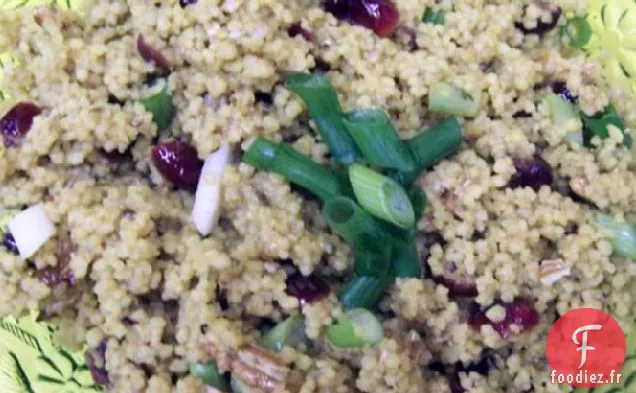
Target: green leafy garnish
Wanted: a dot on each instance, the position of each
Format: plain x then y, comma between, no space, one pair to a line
597,126
434,16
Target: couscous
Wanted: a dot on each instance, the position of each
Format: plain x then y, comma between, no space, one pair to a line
111,113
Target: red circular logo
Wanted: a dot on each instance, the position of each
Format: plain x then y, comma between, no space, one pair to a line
586,348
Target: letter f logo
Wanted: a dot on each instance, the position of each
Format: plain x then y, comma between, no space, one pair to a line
584,347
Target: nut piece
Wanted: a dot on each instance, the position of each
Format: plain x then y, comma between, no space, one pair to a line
578,185
552,270
260,369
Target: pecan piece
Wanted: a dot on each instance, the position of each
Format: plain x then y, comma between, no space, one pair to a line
552,270
578,185
260,369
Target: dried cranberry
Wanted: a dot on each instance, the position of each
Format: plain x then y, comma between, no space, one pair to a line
520,312
178,162
521,115
10,244
458,286
307,289
561,89
185,3
542,27
150,54
381,16
297,29
531,172
264,98
100,375
17,122
321,65
455,383
338,8
115,156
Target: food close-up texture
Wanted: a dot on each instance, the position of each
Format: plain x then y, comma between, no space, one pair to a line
314,196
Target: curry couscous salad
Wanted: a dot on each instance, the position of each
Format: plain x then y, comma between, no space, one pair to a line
313,196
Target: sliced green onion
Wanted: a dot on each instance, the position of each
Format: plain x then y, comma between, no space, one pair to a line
381,196
294,166
576,32
597,126
418,200
349,220
377,139
432,146
451,100
322,103
290,332
372,258
434,16
561,111
355,329
406,261
365,291
161,107
210,374
624,235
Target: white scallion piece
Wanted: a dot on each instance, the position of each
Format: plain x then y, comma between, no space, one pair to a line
31,228
205,213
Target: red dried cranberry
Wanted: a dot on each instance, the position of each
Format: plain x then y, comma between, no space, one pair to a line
381,16
455,383
178,162
100,375
297,29
520,312
531,172
17,122
152,55
114,156
458,286
338,8
307,289
10,244
542,27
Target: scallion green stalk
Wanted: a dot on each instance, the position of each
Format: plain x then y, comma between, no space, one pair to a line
372,258
561,110
381,196
349,220
624,235
161,107
434,16
294,166
435,144
406,261
378,140
210,375
451,100
324,108
418,200
576,32
365,291
355,329
290,332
